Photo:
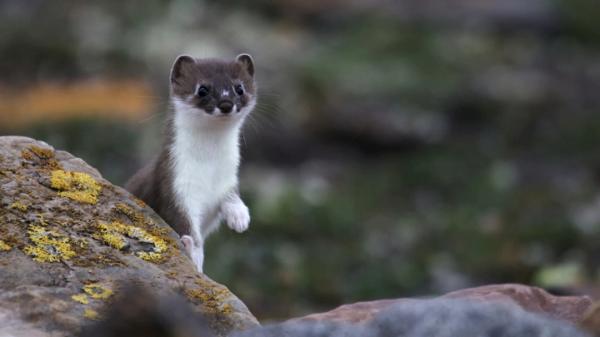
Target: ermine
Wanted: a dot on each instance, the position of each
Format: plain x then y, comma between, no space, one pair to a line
193,182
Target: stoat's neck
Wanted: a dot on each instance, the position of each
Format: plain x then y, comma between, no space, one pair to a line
204,158
203,136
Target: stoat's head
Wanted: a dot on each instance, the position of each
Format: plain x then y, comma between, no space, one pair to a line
214,88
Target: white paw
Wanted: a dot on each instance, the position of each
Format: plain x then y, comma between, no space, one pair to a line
188,243
236,215
195,252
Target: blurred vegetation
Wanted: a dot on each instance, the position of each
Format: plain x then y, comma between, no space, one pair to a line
400,148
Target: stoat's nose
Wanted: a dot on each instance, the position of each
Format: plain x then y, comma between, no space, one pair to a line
225,106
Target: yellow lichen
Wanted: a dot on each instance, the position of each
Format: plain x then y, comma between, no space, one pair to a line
18,205
97,291
113,235
227,309
136,218
77,186
160,247
81,243
81,298
150,256
42,220
5,247
42,152
48,246
212,296
90,314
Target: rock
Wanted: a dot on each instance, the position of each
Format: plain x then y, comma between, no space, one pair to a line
569,309
532,299
591,320
138,312
439,317
445,316
355,313
70,241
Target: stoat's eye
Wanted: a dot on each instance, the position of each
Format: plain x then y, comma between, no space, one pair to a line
239,89
203,90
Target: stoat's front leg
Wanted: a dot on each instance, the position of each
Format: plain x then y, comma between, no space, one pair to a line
234,212
195,250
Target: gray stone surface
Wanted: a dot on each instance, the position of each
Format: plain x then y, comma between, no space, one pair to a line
531,299
437,317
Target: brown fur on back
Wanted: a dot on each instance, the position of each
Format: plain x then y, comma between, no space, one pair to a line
153,184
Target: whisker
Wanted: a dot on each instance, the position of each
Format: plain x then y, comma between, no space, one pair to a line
252,123
149,118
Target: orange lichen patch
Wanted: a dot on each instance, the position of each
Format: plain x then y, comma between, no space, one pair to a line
77,186
41,152
81,298
113,235
97,291
91,314
171,275
27,155
213,297
47,102
139,202
44,155
48,246
226,309
18,205
4,247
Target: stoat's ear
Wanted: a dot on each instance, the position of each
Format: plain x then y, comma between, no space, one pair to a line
182,68
247,62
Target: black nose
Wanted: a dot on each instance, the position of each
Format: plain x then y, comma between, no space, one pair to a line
225,106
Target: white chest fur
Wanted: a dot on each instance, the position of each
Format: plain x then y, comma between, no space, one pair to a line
205,163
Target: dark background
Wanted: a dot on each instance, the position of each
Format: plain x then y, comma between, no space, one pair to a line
400,148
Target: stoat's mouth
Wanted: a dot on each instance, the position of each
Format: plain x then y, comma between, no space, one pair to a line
217,113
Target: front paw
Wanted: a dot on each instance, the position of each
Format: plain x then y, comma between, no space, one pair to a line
188,244
236,215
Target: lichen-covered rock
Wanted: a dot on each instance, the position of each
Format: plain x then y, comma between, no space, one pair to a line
70,241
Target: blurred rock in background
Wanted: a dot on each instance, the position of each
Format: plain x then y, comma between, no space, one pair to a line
399,148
